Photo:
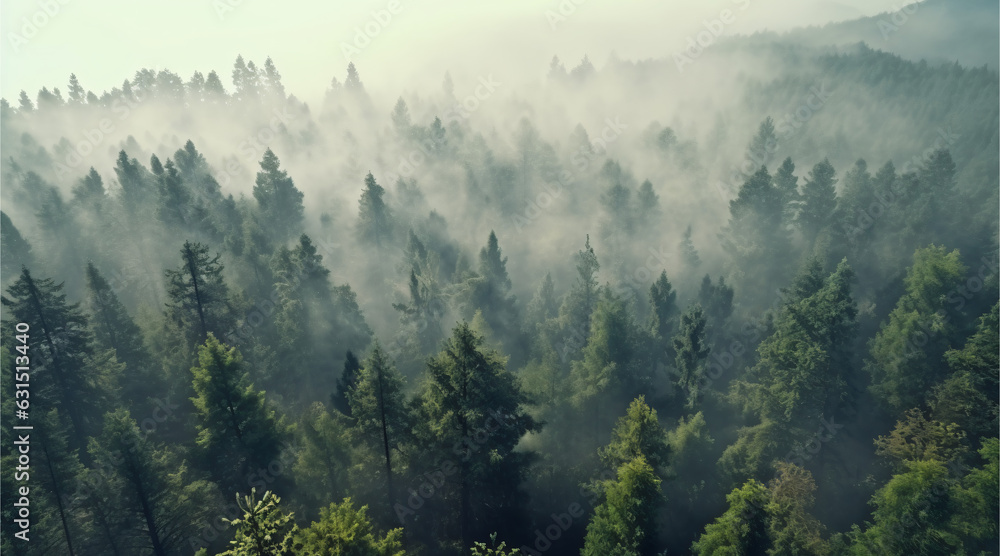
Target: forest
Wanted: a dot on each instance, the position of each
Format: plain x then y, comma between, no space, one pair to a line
646,308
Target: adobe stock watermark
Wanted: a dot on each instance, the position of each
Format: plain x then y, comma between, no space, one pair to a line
463,449
33,24
581,159
866,217
223,7
560,523
364,35
789,124
254,145
705,38
461,110
897,18
563,11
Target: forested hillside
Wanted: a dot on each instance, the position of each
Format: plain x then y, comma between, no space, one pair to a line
741,301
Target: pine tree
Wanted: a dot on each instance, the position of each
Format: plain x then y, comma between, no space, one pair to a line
378,407
638,434
543,305
688,253
114,329
353,81
817,208
60,352
579,303
76,93
346,530
16,250
237,431
743,528
263,529
198,295
663,308
273,80
24,103
348,378
166,504
905,357
625,523
375,224
323,455
469,393
692,352
278,200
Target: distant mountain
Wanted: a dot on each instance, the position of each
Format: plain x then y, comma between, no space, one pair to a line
966,31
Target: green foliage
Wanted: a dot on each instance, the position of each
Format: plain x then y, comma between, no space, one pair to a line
818,205
264,529
278,200
905,357
743,528
199,298
969,397
61,351
237,430
692,352
469,394
918,439
323,455
344,530
162,502
638,434
625,523
375,224
663,302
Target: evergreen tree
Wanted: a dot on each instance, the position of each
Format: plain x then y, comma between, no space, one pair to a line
16,250
263,529
237,431
279,201
579,303
378,408
663,305
375,224
342,529
905,357
625,523
76,93
692,353
818,206
114,329
60,353
638,434
199,301
165,503
348,378
468,393
688,253
743,529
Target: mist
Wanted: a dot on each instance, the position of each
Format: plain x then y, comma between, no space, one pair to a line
664,244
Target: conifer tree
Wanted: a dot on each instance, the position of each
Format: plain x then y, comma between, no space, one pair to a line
199,301
378,408
237,430
279,201
468,394
375,224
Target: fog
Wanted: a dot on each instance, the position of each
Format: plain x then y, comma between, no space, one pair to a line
651,133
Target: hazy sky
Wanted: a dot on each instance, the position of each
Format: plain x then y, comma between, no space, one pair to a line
105,41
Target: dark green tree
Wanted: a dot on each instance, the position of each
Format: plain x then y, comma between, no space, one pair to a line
237,430
375,223
279,201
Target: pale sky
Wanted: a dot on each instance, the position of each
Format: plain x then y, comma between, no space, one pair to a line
106,41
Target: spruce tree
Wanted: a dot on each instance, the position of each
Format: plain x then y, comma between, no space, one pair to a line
278,200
